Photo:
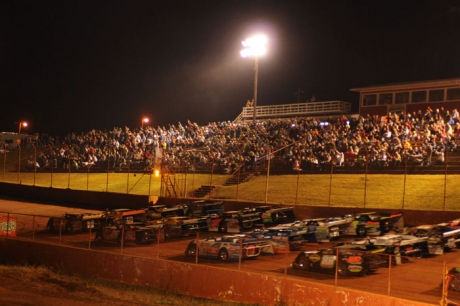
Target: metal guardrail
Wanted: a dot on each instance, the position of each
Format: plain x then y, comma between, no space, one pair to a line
296,109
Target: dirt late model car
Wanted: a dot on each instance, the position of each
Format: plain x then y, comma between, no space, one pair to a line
156,212
375,224
440,238
394,244
179,226
325,229
234,221
203,208
274,215
226,248
75,222
129,234
348,262
452,280
282,239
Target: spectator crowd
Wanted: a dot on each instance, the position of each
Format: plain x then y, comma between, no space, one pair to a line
303,144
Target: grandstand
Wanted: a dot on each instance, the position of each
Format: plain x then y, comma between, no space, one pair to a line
309,137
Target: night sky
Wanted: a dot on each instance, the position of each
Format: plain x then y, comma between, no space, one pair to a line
71,66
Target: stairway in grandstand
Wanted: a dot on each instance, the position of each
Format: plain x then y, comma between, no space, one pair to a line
204,191
238,178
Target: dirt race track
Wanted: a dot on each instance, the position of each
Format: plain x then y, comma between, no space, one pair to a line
419,279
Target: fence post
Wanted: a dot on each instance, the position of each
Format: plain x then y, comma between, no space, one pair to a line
90,225
196,247
33,228
330,183
445,179
60,229
122,237
389,274
241,253
158,242
268,176
7,225
336,267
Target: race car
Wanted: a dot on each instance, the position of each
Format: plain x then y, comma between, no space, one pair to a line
129,234
375,224
125,216
325,228
282,239
348,261
441,238
75,222
156,212
203,208
226,248
177,226
234,221
452,280
395,244
273,215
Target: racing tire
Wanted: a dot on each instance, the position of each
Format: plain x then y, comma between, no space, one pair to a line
342,270
98,236
223,255
304,264
455,285
191,250
223,227
361,231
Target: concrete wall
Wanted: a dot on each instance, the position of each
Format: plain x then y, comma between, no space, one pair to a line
191,279
78,198
103,200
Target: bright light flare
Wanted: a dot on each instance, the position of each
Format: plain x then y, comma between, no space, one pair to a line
25,124
254,46
146,120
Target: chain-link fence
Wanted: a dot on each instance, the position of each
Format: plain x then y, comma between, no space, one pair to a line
417,277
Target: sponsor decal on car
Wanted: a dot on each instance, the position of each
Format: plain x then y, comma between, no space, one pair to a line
355,268
314,257
355,260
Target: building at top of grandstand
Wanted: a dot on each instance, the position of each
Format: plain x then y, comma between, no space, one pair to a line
373,100
409,97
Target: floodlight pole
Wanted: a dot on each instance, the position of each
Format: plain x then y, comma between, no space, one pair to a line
256,75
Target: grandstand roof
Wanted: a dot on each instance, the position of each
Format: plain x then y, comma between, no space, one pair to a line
410,85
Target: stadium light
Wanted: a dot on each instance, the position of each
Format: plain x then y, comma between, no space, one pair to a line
144,120
254,46
22,124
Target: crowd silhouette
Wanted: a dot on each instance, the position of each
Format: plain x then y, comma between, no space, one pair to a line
302,144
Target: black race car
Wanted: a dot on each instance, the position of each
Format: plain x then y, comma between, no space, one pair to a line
375,224
350,261
75,222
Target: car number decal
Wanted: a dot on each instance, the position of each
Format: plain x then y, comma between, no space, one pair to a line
327,261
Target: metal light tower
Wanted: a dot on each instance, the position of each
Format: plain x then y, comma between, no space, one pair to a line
22,124
255,46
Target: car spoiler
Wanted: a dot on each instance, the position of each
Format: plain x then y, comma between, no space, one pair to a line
93,217
129,213
451,233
